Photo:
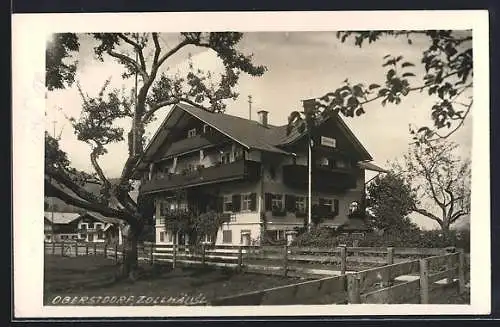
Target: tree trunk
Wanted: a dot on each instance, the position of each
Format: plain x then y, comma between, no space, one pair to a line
130,262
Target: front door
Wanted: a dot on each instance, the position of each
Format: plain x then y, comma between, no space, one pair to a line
245,239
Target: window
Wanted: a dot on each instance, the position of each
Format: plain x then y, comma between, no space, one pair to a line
246,202
98,226
82,235
162,236
206,129
324,162
170,237
83,226
225,158
227,236
100,235
275,235
277,202
91,225
329,203
74,237
192,132
301,204
228,203
183,206
208,239
239,154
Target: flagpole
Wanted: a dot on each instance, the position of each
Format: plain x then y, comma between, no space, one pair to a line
309,193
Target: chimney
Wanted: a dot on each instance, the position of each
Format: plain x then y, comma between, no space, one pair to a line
309,104
262,117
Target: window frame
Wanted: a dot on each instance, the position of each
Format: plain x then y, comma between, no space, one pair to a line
191,132
280,200
302,200
246,199
161,237
227,199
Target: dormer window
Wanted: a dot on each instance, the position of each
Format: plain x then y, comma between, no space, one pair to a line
191,133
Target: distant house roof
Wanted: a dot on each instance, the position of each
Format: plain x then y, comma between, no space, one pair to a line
249,133
61,217
102,218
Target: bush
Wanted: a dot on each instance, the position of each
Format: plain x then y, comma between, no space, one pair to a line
411,239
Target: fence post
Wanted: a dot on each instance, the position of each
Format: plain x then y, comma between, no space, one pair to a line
461,271
116,253
62,248
449,266
174,256
53,247
387,272
424,282
95,249
151,255
105,250
86,249
76,249
285,260
343,260
203,254
353,291
240,258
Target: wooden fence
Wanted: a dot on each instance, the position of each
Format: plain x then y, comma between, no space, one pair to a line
377,285
287,261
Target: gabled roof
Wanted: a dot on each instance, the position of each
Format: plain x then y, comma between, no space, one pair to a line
102,218
61,217
249,133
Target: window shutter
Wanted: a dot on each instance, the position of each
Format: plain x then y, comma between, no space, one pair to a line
253,202
336,207
236,202
268,201
289,203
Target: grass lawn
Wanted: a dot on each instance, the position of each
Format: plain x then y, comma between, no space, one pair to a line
93,276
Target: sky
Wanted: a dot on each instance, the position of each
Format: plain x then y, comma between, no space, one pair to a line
300,65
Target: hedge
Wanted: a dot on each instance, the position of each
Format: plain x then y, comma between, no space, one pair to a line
414,239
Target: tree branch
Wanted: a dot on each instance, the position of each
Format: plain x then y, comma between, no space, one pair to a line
59,193
100,173
428,215
64,179
130,61
138,49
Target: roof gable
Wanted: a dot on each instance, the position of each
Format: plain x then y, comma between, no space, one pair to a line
249,133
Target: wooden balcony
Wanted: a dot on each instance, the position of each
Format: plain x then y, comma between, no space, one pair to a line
238,170
322,179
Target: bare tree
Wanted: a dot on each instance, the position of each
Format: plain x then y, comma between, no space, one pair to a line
439,179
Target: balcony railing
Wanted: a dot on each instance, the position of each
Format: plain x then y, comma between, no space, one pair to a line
241,169
322,178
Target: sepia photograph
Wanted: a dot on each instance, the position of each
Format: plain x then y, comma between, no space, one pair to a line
239,167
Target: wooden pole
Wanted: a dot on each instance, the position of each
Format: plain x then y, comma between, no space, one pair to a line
424,282
116,253
353,291
461,271
174,256
86,249
151,255
387,272
62,248
203,254
285,260
53,247
240,258
343,260
95,249
76,249
105,250
449,266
